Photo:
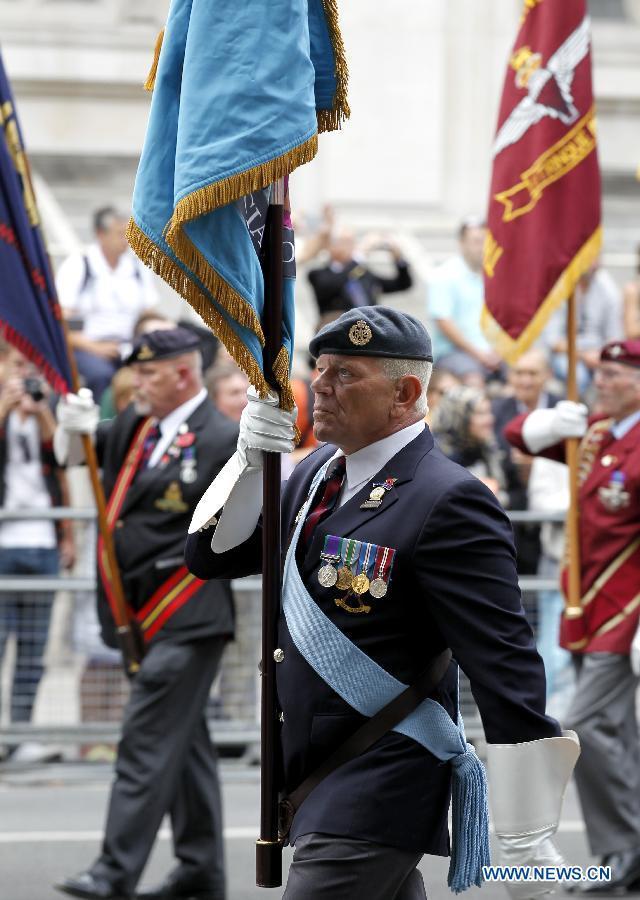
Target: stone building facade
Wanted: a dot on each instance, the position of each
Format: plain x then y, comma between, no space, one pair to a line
426,77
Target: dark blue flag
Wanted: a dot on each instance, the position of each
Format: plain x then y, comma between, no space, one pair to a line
30,315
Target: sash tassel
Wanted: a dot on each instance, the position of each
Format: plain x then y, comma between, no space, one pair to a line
470,822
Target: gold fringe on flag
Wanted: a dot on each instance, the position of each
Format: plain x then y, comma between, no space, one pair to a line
157,260
221,193
332,119
511,348
150,83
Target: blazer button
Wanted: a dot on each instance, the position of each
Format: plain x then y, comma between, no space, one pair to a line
281,717
278,654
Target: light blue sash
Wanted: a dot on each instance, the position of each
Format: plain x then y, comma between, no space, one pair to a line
367,687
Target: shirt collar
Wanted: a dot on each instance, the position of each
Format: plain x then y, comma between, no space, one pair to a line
366,462
625,425
170,424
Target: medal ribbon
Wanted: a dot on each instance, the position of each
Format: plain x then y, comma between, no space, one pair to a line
352,549
331,547
363,562
383,562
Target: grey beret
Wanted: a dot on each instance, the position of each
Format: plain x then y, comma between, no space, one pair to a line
163,344
374,331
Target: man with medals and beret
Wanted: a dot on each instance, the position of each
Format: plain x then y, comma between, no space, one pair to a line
399,568
157,457
607,653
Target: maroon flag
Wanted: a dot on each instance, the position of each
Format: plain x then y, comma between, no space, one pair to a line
544,209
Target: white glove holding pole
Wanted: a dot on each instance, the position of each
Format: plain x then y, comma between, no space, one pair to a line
527,783
545,427
76,414
238,486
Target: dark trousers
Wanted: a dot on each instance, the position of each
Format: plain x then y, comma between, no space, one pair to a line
27,615
166,763
603,713
338,868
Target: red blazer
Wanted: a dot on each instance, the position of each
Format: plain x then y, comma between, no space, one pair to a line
609,499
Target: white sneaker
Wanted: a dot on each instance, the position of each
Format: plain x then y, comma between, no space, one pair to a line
34,752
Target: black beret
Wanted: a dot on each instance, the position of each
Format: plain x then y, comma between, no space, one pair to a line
163,344
374,331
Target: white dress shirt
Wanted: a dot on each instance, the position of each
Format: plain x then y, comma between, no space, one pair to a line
25,487
170,424
625,425
112,299
367,462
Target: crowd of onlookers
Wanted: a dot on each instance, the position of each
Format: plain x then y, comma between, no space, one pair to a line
109,298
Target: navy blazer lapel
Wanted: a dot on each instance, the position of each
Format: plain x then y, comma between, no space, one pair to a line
350,517
147,478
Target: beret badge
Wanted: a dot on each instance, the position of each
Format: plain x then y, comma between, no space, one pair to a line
145,352
360,333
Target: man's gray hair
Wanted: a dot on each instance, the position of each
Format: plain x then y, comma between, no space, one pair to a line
419,368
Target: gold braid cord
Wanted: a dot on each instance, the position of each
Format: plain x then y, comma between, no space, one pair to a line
150,83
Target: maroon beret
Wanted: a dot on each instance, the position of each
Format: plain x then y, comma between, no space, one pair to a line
627,352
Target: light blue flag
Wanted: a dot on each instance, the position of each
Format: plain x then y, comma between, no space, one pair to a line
240,92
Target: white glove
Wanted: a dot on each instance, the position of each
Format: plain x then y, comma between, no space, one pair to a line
238,486
544,427
635,652
265,427
527,783
77,414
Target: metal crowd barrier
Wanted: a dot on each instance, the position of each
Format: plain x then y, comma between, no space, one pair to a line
82,691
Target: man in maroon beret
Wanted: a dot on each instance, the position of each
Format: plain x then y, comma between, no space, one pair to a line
608,653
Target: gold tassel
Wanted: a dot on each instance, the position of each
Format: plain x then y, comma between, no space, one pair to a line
281,372
332,119
150,83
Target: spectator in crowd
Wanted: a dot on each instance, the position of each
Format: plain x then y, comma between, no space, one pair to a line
462,425
227,385
599,321
527,381
346,282
309,241
104,291
29,479
632,304
456,297
440,383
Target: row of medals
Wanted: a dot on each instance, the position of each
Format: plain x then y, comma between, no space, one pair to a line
344,579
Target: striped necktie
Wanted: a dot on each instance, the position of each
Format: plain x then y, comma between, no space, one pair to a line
321,509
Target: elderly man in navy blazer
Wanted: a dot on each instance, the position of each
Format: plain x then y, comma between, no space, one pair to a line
395,554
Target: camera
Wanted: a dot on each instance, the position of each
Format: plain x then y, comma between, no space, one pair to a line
33,387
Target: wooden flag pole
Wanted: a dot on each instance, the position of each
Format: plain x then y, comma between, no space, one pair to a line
129,640
573,608
268,847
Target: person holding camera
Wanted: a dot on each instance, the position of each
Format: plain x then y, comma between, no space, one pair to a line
29,479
